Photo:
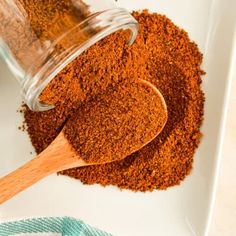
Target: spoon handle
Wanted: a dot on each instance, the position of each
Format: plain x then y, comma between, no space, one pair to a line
20,179
58,156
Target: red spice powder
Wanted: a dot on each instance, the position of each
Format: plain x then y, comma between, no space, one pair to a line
162,54
117,123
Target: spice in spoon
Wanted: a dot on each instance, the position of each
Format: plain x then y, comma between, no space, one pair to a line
117,123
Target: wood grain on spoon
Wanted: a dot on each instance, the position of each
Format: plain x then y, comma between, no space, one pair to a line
61,154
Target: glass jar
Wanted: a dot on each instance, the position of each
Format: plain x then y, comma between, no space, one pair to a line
38,38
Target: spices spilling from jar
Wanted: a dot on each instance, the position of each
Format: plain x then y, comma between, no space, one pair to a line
163,55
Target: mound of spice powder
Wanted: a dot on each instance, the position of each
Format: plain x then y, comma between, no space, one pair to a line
117,123
162,54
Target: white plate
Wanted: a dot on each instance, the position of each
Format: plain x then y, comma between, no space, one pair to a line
180,211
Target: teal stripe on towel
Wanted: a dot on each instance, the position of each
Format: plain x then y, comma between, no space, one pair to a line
66,226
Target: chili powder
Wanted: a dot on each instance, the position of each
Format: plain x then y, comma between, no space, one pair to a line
162,54
117,123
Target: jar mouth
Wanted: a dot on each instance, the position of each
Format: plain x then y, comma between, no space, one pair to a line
107,22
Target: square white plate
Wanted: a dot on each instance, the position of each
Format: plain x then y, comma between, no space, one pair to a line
180,211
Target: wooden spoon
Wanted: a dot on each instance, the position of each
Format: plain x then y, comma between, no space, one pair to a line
58,156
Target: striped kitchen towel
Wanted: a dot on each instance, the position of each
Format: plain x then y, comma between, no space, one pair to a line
49,226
